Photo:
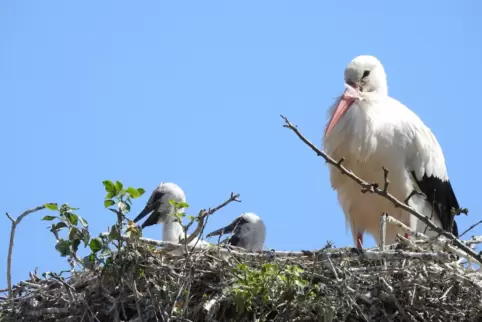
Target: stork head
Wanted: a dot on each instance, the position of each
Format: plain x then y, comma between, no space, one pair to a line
159,204
364,74
248,230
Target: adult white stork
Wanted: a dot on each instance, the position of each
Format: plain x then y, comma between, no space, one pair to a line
371,130
248,230
163,211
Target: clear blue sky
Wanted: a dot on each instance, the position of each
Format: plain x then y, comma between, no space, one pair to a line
191,92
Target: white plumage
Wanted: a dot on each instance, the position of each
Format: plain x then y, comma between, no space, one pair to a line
163,211
248,230
371,130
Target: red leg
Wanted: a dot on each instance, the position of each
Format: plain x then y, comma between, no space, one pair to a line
359,241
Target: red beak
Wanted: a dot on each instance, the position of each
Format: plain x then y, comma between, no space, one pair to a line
343,105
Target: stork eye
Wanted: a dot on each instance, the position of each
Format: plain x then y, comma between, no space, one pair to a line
366,73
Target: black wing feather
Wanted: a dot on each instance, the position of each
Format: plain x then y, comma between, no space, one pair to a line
441,195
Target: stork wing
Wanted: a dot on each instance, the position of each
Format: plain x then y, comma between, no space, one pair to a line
426,163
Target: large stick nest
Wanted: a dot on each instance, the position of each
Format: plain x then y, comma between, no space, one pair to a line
146,284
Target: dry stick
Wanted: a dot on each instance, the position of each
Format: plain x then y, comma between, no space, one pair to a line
404,227
15,222
373,188
409,243
470,228
383,233
204,213
383,230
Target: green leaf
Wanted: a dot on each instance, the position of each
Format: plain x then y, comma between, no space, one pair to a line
192,218
75,245
114,233
84,222
74,233
95,244
110,195
64,208
85,236
108,203
58,226
49,218
72,218
51,206
119,185
178,205
243,267
109,186
63,247
141,191
182,205
133,192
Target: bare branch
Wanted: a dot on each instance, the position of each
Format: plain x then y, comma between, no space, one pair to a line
9,217
413,193
405,228
374,189
15,223
470,228
203,214
385,179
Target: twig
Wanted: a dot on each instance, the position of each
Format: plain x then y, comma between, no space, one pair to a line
136,297
470,228
383,230
333,269
374,189
212,305
204,213
409,243
48,310
404,227
383,233
412,194
15,223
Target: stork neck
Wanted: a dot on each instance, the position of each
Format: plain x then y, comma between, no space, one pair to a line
172,230
259,241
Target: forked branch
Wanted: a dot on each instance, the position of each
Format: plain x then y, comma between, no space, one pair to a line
15,223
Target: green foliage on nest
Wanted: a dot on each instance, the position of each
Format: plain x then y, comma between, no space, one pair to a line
268,286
